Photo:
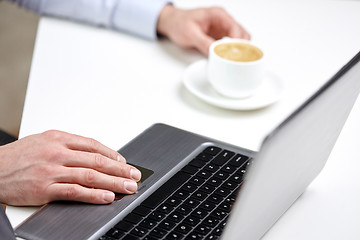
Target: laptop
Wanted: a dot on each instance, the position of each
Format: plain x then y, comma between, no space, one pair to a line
195,187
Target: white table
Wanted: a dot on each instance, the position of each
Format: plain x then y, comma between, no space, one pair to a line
111,86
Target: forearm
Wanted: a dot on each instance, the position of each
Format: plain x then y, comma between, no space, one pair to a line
138,17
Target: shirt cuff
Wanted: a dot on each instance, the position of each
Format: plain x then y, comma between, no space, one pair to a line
138,17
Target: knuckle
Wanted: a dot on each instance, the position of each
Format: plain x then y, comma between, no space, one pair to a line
93,197
71,192
54,153
218,10
115,185
50,153
42,176
53,134
44,170
99,161
93,144
37,188
90,176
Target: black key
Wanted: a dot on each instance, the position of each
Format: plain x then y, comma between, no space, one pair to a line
207,188
222,224
199,195
236,178
189,187
208,206
190,169
167,224
174,236
211,167
124,226
165,190
115,233
202,229
204,157
165,208
212,150
233,195
215,198
142,211
241,171
230,185
228,168
173,201
238,160
225,206
222,192
131,237
199,213
139,231
181,194
183,228
212,237
195,235
219,214
148,237
148,223
214,181
158,233
221,175
197,163
204,174
133,218
192,203
222,158
197,180
230,199
106,238
175,217
192,221
217,231
157,216
184,209
211,221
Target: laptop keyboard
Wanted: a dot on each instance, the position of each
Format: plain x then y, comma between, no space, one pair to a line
193,204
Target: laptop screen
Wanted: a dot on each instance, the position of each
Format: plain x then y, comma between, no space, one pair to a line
293,155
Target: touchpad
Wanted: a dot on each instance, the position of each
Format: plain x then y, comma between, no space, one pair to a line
145,173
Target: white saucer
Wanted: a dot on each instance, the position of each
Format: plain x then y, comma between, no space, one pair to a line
195,81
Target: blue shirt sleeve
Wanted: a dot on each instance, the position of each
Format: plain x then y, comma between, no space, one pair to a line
138,17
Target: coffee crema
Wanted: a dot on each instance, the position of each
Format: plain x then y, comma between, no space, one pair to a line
240,52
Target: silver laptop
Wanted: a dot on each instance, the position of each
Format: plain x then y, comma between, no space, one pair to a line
195,187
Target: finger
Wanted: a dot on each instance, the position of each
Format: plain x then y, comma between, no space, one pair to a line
227,25
237,31
201,41
76,142
75,192
101,164
94,179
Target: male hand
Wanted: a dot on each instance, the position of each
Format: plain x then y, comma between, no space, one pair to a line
56,165
198,28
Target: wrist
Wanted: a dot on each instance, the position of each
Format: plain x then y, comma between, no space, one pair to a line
164,21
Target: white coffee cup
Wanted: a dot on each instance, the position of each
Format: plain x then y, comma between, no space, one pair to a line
239,71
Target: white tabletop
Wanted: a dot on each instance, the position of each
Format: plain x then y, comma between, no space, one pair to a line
111,86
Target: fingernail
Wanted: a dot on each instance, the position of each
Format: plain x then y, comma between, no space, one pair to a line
108,197
121,159
130,186
135,174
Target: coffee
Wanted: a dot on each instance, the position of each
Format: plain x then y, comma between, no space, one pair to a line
240,52
235,67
